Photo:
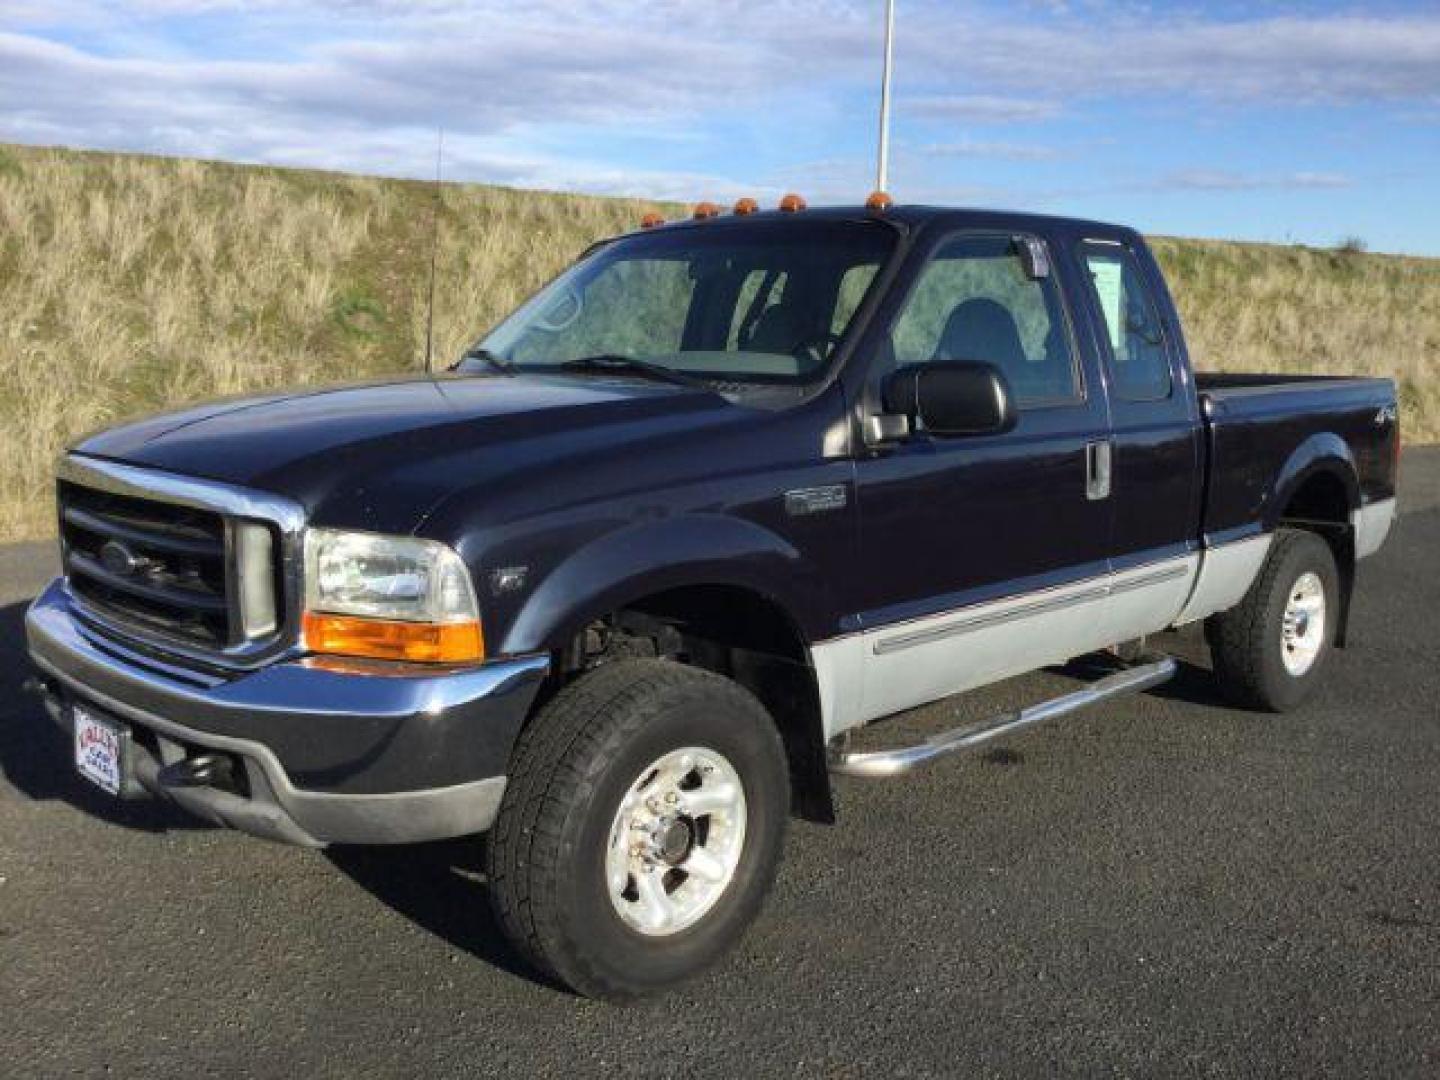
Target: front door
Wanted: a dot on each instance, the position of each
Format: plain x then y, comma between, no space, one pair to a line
984,556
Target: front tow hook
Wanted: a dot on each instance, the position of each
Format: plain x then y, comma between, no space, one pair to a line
206,770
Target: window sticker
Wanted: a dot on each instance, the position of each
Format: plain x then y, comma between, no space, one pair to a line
1107,274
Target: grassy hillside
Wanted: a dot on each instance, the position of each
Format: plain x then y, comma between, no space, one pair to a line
128,284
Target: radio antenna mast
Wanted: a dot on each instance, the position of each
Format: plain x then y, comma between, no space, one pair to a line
434,251
882,169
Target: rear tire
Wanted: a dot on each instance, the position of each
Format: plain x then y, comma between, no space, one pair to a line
641,827
1271,649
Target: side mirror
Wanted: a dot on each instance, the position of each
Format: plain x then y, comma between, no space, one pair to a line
953,398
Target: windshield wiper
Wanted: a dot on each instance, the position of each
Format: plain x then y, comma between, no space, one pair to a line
607,362
491,360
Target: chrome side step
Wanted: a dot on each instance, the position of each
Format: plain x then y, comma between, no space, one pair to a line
1131,680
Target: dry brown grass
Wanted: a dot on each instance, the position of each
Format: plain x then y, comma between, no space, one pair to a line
1255,307
130,284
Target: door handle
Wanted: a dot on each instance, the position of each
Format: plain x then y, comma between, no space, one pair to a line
1097,469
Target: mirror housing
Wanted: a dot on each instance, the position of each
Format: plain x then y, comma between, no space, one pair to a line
961,398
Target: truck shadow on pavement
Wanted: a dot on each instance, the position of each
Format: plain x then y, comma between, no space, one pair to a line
35,757
1193,682
440,887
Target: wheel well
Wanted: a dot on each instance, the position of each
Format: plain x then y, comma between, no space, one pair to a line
742,635
1321,504
1321,499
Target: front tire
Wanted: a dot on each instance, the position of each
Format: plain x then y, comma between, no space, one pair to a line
1271,649
641,827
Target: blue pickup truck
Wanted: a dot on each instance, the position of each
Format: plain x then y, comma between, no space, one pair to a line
615,587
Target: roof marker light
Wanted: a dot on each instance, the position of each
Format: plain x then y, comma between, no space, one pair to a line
879,202
705,210
652,220
792,203
746,205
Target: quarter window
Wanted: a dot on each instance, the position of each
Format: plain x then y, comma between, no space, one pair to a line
853,287
975,302
1134,333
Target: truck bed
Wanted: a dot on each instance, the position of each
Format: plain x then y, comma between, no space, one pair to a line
1229,382
1261,427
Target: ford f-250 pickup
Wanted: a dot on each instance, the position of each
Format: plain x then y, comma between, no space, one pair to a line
615,587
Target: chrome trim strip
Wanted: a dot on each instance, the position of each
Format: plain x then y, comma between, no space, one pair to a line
1169,573
145,483
988,619
1018,607
230,500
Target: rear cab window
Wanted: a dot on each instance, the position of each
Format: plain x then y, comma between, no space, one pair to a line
1134,335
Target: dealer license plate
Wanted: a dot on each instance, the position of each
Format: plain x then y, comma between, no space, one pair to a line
98,750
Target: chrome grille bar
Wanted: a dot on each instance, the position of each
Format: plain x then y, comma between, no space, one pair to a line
194,569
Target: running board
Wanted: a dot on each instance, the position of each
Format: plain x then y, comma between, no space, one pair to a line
880,763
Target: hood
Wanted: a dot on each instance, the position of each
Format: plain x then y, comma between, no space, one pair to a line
367,455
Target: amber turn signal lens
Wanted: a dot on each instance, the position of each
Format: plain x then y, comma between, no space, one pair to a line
879,202
652,220
791,203
394,639
706,210
746,205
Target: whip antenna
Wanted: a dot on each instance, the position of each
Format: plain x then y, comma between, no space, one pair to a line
434,250
882,167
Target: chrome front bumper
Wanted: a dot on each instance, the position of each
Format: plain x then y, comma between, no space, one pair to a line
326,756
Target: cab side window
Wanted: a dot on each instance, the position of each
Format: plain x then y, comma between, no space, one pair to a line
1139,361
974,302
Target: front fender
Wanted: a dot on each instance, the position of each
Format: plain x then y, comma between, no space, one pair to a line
1323,452
649,557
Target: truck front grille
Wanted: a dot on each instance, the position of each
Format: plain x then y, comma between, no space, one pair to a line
154,567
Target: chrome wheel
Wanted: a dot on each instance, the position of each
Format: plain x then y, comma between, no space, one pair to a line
1303,630
676,841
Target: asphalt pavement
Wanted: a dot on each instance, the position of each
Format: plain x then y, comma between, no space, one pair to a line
1160,887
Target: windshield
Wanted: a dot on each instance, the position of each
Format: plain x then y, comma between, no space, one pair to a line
748,303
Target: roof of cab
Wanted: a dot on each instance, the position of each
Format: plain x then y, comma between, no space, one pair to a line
911,217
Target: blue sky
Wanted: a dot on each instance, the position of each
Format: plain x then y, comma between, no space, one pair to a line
1266,121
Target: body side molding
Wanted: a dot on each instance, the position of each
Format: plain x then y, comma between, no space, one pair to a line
862,677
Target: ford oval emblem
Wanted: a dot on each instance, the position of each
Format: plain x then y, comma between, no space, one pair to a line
119,559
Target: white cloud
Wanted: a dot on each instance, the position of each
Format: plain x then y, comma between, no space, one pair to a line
362,84
981,108
1283,60
1225,180
980,148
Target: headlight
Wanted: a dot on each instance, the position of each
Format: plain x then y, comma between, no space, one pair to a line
389,597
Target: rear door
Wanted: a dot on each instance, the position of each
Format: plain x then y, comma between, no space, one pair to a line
987,555
1155,433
